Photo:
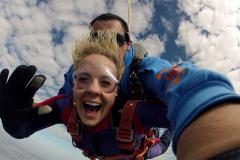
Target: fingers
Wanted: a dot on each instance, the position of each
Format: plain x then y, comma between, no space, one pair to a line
21,83
3,78
20,78
15,75
34,85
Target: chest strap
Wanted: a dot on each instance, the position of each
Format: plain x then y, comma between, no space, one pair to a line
124,134
74,127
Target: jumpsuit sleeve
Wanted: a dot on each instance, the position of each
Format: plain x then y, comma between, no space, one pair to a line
35,124
186,90
66,89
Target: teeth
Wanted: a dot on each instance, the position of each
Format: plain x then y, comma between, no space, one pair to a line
93,104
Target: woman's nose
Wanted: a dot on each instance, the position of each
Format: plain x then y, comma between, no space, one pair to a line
94,87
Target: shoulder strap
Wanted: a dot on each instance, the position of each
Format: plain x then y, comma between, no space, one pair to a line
135,85
74,127
124,134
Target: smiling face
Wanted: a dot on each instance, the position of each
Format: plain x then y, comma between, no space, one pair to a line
95,88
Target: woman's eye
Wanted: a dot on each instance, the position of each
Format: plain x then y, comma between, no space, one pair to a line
106,83
83,79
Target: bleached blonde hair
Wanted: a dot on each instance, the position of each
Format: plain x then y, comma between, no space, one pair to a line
105,43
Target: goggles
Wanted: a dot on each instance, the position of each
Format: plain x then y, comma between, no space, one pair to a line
121,38
88,72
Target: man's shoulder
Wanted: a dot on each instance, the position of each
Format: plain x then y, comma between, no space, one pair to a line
154,63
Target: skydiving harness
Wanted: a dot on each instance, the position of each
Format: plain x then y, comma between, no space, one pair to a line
123,119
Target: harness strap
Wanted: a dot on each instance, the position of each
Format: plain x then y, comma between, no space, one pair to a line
135,84
148,141
48,101
73,127
124,134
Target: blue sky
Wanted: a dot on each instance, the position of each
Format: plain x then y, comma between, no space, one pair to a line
43,32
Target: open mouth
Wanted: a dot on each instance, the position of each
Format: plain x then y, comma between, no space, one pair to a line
92,107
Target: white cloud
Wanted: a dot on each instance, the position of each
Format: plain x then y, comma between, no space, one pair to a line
4,31
52,143
140,14
212,35
26,29
153,44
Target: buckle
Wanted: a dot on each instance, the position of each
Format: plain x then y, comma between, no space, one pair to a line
124,135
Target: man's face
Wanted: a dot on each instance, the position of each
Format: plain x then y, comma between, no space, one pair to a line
112,26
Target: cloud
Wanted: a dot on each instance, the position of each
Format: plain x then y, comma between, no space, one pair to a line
5,29
52,143
153,44
211,35
141,14
43,33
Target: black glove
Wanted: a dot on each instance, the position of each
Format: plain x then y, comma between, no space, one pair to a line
16,96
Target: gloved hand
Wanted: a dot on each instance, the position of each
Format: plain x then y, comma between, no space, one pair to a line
16,96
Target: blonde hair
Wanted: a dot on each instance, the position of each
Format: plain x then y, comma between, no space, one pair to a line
104,43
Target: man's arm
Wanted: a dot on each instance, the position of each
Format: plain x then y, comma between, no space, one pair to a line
188,91
213,132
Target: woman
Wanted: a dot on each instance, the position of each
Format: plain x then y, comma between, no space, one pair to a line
97,69
88,115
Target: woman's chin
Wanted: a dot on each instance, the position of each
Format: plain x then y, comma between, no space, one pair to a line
90,123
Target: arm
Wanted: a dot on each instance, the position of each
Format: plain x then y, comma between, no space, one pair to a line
67,87
32,125
215,131
18,116
188,91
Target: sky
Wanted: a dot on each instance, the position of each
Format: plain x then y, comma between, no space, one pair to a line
43,32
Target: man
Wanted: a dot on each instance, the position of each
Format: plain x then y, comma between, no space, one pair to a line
174,76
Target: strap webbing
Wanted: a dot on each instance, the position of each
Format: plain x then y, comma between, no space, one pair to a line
135,84
73,127
124,133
